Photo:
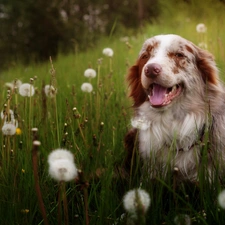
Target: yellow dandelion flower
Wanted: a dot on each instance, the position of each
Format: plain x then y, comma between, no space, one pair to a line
18,131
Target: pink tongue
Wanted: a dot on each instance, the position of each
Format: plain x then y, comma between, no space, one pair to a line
158,94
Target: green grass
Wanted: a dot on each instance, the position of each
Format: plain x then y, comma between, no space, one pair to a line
97,147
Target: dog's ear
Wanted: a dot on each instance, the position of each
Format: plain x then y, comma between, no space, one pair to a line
134,82
207,66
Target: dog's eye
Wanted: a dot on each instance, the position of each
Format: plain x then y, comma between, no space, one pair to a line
179,55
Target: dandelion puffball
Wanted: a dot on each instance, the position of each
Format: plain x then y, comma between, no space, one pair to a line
107,52
60,154
90,73
14,84
221,199
86,87
61,165
182,219
140,123
63,170
9,129
50,91
5,115
201,28
26,90
133,197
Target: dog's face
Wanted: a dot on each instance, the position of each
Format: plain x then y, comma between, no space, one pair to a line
168,68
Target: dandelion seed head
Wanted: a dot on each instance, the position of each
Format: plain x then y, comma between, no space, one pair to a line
26,90
130,200
5,115
203,45
182,219
60,154
36,143
107,52
86,87
201,28
8,129
221,199
50,91
140,123
14,84
63,170
90,73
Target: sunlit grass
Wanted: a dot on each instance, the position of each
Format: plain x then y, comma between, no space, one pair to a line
92,126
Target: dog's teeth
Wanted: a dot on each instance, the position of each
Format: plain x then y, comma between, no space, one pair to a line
174,88
148,96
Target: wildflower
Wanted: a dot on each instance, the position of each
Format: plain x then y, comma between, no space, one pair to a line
5,115
201,28
14,84
107,52
140,123
18,131
50,91
8,129
61,165
221,199
86,87
60,154
90,73
25,211
26,90
136,198
203,45
182,219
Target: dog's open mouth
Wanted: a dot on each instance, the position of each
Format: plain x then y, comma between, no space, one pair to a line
161,96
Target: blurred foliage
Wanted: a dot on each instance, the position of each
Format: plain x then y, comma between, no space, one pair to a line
33,30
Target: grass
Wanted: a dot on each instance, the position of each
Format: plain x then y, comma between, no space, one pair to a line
92,126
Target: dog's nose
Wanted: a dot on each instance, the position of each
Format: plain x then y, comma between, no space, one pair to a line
152,70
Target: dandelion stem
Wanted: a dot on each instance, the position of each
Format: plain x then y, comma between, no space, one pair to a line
57,122
36,180
85,192
65,203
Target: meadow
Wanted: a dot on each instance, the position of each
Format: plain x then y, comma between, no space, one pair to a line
92,126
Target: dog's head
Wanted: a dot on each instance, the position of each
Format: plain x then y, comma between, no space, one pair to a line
168,68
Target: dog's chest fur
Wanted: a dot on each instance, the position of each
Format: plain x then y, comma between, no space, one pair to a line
171,137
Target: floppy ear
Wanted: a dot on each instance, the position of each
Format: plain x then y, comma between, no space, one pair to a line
207,66
134,82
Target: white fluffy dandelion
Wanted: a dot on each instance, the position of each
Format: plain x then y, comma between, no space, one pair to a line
182,219
5,115
202,45
61,165
90,73
221,199
26,90
86,87
107,52
14,84
140,123
201,28
9,129
63,170
50,91
60,154
133,198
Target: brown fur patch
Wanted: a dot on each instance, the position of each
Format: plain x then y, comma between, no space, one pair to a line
136,89
206,66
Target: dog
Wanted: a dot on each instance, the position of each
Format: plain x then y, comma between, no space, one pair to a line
179,108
